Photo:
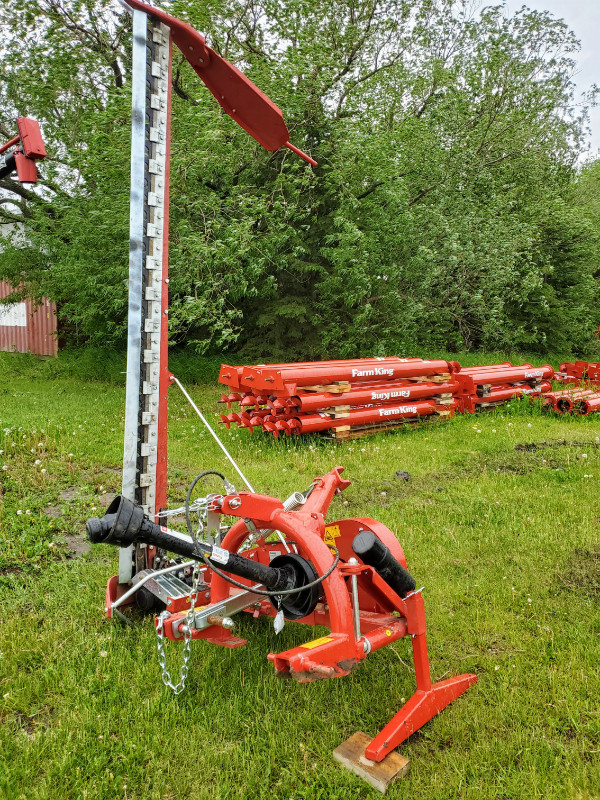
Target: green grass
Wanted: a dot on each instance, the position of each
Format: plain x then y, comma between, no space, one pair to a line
499,522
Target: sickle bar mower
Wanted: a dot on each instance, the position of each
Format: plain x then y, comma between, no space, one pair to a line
278,559
367,598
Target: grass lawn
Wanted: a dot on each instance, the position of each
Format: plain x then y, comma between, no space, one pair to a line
499,522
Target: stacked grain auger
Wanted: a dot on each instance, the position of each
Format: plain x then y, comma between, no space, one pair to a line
583,396
345,398
492,385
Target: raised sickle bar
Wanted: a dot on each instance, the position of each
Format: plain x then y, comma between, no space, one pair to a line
235,93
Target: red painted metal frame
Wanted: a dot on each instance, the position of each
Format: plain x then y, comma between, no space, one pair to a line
236,94
384,616
33,149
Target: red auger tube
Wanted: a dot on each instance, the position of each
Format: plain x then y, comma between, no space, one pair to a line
288,378
314,423
503,393
231,376
373,393
524,372
562,401
485,368
588,405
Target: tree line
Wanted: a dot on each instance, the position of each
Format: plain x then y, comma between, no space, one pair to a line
448,210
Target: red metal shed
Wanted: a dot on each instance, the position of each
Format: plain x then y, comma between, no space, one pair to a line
27,328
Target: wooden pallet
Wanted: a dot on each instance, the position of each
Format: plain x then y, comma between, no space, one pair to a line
337,387
345,432
442,377
351,755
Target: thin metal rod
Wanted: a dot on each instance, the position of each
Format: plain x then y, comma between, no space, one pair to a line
14,140
147,577
355,604
213,434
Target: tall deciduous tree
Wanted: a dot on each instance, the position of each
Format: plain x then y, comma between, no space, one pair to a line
442,212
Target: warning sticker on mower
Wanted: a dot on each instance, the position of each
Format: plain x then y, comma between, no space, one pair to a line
317,642
219,555
331,534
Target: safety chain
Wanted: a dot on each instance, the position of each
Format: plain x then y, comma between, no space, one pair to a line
187,638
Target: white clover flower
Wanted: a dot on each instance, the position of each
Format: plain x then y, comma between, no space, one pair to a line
37,462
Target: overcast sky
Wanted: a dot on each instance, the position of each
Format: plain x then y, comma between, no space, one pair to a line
583,18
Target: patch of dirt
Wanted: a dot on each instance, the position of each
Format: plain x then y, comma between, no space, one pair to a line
53,511
515,470
533,446
402,475
68,494
106,499
581,573
77,545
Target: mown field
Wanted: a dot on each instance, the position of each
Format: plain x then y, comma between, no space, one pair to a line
499,522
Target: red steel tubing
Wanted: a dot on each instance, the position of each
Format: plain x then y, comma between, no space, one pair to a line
524,372
373,393
359,416
586,405
232,375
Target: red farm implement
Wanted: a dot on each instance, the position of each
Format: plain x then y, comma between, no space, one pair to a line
27,148
277,559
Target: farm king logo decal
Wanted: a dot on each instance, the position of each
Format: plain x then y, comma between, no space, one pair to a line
368,373
390,395
388,412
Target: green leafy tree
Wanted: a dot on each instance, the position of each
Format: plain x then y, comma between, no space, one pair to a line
443,212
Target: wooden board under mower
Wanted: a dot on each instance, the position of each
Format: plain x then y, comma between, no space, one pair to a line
365,606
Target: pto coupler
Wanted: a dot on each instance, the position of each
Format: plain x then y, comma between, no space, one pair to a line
125,523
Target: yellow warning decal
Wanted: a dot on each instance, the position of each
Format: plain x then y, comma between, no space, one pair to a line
331,534
317,642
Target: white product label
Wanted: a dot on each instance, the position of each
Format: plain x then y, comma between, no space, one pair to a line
219,555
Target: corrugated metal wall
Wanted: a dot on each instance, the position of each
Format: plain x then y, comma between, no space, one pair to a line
28,329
